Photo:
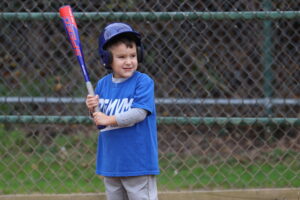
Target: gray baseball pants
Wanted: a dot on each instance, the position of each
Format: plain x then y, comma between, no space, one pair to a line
131,188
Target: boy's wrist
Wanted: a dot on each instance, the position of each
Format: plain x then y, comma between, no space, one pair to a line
105,120
111,120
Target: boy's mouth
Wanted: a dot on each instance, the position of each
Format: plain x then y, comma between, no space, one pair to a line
128,68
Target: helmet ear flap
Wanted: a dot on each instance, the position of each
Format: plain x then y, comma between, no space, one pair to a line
109,58
140,53
106,58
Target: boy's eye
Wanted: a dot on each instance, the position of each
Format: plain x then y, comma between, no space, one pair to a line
123,56
120,56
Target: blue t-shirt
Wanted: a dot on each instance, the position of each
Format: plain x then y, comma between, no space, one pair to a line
132,150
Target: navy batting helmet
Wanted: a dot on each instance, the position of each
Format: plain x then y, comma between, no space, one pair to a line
110,32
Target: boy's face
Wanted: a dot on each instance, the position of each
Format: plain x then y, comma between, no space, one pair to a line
124,62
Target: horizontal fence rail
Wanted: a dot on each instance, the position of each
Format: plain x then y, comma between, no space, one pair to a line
201,101
160,120
154,16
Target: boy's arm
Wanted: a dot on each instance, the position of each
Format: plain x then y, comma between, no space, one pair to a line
131,117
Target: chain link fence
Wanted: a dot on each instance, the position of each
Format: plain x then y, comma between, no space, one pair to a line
227,93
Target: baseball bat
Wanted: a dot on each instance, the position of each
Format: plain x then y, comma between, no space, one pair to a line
70,25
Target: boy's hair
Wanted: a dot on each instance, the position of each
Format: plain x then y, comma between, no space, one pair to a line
127,39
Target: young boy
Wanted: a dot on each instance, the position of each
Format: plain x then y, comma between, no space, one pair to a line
127,153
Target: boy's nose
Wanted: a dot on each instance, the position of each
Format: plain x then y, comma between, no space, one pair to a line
128,60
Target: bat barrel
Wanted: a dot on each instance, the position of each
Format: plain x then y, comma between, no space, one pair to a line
70,25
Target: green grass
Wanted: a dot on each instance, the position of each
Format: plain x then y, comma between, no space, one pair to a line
65,164
225,176
30,164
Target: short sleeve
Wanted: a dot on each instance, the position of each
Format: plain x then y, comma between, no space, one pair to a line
144,94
